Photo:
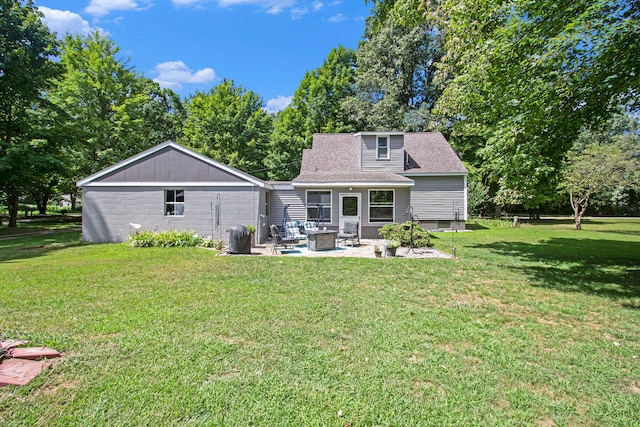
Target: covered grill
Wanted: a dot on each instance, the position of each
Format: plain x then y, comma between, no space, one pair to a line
239,240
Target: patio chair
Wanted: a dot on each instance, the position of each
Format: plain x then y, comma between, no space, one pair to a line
292,230
350,232
280,241
310,226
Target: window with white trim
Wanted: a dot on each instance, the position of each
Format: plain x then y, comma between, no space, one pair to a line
381,205
174,202
317,200
382,148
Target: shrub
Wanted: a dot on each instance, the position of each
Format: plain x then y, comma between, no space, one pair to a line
402,233
173,238
212,243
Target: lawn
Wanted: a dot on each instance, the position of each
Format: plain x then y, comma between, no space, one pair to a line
538,325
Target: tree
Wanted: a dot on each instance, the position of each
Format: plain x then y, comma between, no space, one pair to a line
229,125
315,107
26,69
395,70
117,112
598,168
522,79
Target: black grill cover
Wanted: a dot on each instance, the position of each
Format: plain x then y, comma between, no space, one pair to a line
239,240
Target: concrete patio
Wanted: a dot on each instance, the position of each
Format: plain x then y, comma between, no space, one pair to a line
362,250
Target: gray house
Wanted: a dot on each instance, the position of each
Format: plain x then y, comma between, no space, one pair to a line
374,177
377,178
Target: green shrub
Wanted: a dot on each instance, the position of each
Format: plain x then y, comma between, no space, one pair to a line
402,233
173,238
212,243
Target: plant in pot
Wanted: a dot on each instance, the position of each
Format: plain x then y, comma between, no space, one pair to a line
252,230
392,246
386,248
378,249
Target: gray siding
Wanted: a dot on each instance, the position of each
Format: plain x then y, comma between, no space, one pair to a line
369,162
437,197
294,198
107,211
170,165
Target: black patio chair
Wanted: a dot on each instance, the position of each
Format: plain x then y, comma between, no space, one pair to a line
280,241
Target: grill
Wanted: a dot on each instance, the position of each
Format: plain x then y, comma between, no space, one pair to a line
239,240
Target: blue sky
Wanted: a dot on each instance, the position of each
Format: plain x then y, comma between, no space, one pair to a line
263,45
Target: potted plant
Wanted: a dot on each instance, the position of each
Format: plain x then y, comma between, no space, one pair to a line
252,230
386,247
378,248
392,246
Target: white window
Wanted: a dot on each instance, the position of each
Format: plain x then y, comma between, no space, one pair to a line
382,148
174,203
381,205
319,205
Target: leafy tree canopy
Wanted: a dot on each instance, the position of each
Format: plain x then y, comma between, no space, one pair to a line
395,69
229,124
117,112
523,78
26,69
316,107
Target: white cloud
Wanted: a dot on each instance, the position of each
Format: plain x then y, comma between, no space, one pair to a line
278,103
173,73
65,21
274,10
317,5
338,18
298,12
103,7
272,7
185,2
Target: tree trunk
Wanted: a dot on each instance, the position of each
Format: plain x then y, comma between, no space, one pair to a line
74,199
42,204
498,211
12,204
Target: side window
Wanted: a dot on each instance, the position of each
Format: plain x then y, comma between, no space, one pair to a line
382,148
174,203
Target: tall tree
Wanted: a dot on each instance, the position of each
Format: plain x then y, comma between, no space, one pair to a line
315,107
117,112
229,124
26,69
523,78
395,70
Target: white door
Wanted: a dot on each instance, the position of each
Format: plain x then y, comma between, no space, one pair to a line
349,208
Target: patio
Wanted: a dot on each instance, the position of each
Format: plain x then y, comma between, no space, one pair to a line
363,250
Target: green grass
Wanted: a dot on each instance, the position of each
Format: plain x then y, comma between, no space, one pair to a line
40,224
538,325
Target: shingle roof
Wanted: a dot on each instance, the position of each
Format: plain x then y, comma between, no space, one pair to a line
334,158
430,153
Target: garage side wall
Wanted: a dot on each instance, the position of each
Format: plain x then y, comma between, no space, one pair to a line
108,211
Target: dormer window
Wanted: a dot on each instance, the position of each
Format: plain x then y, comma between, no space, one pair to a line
382,148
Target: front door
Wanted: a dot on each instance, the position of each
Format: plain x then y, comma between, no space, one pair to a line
349,208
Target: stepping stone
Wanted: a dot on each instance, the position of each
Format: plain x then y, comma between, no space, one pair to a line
33,353
11,344
19,371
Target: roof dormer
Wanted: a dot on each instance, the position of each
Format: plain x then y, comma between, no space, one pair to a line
381,151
